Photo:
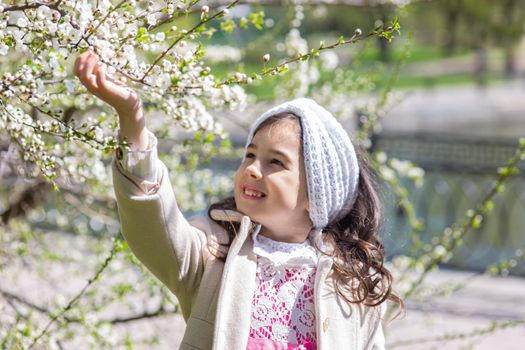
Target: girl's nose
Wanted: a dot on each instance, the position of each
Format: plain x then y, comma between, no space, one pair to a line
253,170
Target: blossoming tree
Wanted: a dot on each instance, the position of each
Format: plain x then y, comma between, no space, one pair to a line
52,131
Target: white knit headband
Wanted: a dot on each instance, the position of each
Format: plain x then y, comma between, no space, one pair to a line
332,171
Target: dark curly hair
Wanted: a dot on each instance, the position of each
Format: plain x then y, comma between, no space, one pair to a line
360,275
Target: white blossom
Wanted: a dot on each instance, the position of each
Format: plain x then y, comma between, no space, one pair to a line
22,22
151,19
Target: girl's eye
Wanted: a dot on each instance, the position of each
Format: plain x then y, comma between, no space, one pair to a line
249,155
276,161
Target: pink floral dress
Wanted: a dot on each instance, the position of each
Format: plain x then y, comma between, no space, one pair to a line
283,308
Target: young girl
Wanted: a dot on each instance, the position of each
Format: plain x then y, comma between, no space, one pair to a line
291,261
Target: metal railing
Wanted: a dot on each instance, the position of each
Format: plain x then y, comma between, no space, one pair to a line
459,171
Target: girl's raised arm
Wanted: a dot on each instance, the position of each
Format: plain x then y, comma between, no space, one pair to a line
92,74
154,227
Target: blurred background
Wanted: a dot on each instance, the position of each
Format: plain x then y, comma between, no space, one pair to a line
443,109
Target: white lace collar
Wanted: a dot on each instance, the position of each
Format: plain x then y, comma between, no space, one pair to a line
281,253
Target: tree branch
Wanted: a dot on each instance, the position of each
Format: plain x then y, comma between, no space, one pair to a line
30,198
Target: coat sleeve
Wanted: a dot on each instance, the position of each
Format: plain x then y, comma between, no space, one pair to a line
157,232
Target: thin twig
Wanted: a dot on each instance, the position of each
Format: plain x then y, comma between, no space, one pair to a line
77,297
197,26
468,225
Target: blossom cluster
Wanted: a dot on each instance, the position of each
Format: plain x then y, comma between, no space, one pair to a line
42,102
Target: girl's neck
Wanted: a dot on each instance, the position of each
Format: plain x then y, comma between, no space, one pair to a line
286,237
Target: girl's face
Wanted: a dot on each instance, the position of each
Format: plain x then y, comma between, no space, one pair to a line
270,184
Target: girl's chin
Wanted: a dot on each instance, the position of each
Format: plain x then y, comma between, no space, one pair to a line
252,214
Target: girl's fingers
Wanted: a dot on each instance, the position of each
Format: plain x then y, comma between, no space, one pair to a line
93,74
116,81
101,76
81,63
90,64
92,68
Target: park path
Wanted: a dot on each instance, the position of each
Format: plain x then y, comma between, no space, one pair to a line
483,300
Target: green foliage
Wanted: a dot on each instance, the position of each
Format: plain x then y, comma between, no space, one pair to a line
228,26
389,31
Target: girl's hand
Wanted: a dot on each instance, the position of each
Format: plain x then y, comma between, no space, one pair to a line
92,74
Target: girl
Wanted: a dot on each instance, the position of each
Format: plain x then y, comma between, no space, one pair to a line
291,261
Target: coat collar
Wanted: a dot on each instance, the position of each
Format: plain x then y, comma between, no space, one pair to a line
234,303
226,215
236,216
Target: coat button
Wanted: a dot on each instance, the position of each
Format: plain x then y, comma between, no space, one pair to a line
326,323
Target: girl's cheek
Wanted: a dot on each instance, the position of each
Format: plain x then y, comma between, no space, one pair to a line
236,177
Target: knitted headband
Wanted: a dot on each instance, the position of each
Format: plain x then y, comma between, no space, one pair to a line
332,172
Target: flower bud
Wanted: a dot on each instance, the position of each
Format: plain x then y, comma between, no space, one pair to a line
358,32
205,9
266,57
239,76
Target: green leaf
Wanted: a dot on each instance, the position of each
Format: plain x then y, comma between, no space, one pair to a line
396,26
243,23
513,170
341,40
228,26
198,136
209,138
121,246
257,19
476,221
489,205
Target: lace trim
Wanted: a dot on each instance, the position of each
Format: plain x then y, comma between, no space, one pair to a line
283,253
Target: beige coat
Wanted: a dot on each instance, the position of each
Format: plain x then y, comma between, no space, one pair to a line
215,296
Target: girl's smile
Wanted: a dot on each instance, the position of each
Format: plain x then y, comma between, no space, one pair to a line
270,184
252,192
